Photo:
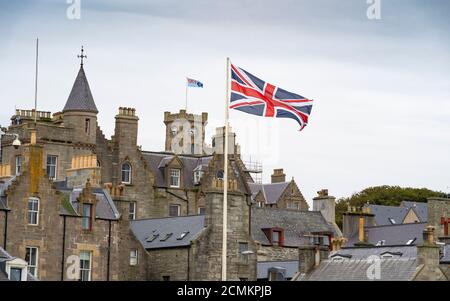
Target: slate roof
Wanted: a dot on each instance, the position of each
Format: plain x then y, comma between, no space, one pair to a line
393,234
3,203
162,227
408,252
290,267
105,209
296,224
446,254
421,209
272,191
356,270
80,98
384,213
157,161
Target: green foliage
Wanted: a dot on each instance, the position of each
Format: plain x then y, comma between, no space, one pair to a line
384,195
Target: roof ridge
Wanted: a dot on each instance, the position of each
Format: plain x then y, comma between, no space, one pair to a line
392,225
167,217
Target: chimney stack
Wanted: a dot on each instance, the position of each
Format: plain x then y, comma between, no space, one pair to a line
310,257
354,223
428,255
326,205
278,176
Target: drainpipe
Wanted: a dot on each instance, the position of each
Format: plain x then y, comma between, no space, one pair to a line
5,234
109,251
188,261
63,248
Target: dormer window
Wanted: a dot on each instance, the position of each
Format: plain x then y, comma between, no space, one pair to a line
275,236
197,176
126,173
174,178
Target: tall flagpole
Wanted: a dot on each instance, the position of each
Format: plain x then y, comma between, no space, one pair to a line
35,82
186,95
225,179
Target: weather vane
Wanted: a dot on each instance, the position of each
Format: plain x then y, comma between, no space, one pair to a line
82,56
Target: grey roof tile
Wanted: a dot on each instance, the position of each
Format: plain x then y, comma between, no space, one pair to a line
383,214
356,270
296,224
421,209
272,191
80,97
290,267
173,227
408,252
157,161
393,234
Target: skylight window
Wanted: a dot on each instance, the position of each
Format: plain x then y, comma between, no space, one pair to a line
152,237
380,243
183,235
392,221
411,241
168,235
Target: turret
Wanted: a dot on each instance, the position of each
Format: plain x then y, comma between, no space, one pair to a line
80,111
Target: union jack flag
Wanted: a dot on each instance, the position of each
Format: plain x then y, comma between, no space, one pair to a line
252,95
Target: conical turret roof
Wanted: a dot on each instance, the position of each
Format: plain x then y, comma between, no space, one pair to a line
80,98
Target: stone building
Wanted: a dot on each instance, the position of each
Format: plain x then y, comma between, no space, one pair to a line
279,193
79,206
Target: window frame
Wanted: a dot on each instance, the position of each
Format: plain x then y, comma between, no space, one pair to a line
33,211
87,217
49,165
87,126
200,208
178,210
172,176
32,267
18,165
130,173
89,269
132,214
134,258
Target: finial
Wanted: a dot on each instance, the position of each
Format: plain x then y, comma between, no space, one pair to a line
82,56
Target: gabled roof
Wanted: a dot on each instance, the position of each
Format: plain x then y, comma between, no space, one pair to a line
272,191
296,224
156,161
393,234
421,209
384,214
80,98
157,233
105,208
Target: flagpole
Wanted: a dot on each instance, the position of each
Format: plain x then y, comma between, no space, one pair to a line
36,82
185,107
225,179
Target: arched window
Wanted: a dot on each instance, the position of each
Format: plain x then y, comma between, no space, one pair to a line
126,173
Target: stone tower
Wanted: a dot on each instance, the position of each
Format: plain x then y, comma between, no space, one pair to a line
80,111
185,133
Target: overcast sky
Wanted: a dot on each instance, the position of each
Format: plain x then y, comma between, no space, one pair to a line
381,88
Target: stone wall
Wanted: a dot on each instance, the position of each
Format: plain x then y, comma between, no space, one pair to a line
275,253
171,263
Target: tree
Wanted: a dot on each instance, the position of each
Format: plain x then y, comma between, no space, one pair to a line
384,195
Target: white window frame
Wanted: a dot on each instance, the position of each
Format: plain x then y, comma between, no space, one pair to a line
47,165
134,257
175,173
132,214
178,209
89,269
33,211
35,266
129,173
18,165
